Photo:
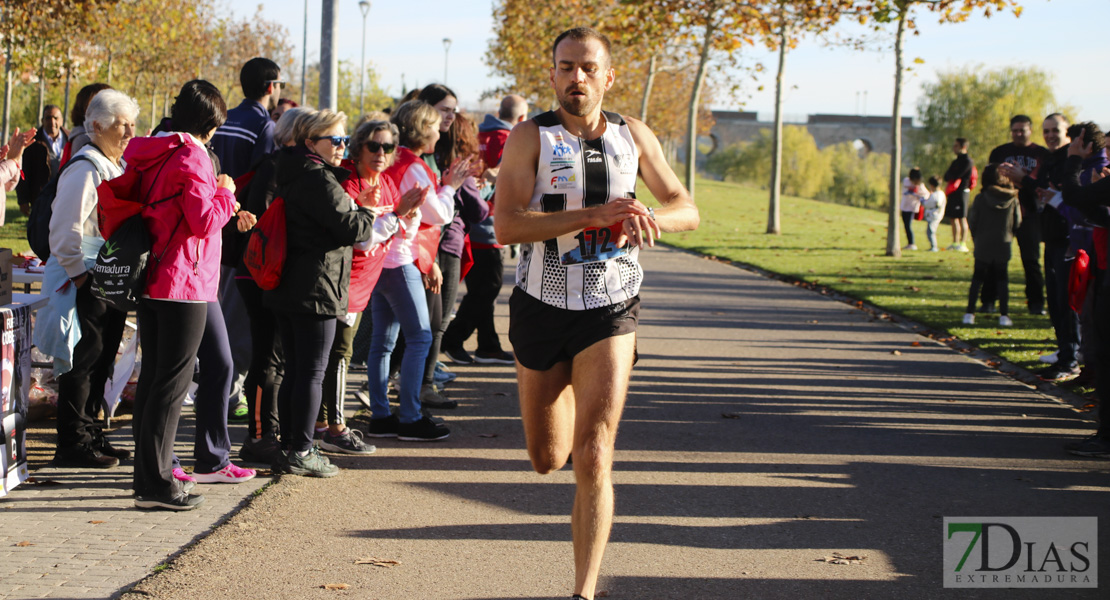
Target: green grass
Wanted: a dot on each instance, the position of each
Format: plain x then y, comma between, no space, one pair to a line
14,232
844,248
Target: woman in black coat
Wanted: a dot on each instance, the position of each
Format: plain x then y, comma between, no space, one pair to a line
322,223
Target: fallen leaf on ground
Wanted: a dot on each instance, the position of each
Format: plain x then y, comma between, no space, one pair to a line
336,586
96,522
24,544
377,562
487,435
913,288
500,393
840,559
896,353
731,415
42,482
915,344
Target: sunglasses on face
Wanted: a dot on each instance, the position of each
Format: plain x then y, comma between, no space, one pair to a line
336,140
278,83
374,147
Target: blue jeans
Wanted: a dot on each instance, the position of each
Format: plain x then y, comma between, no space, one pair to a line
931,233
398,304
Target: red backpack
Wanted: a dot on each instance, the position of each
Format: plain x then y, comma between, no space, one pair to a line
265,253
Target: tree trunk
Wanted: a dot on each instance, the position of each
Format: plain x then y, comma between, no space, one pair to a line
7,89
65,103
647,88
893,245
108,79
695,99
42,84
774,217
153,104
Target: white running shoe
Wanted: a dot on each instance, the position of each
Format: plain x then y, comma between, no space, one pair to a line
1005,321
969,318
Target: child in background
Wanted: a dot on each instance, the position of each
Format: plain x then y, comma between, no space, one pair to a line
912,195
993,220
934,211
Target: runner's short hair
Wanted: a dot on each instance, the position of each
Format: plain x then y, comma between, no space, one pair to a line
962,142
581,34
1021,119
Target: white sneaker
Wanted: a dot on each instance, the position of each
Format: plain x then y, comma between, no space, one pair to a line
969,318
910,247
1049,358
1005,321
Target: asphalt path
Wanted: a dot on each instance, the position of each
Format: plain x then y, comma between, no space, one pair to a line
768,427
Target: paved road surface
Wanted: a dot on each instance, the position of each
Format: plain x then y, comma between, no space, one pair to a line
852,435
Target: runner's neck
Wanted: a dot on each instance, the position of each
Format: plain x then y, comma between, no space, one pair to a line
590,127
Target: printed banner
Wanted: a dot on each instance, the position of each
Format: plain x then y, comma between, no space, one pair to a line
15,387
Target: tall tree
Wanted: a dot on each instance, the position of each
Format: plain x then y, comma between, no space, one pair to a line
714,28
782,23
899,13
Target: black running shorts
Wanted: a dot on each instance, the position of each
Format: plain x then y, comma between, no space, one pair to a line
957,205
543,335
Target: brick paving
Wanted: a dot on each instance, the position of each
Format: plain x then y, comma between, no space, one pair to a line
74,533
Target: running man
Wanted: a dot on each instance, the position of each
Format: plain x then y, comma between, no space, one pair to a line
566,193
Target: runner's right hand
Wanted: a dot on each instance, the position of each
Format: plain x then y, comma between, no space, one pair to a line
615,211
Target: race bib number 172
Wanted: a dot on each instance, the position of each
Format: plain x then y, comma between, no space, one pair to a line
590,245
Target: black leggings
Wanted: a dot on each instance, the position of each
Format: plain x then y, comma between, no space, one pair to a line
170,334
307,340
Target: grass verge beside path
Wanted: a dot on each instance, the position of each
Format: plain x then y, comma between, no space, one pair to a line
843,248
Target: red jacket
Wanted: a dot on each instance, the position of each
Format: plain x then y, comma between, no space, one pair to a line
185,229
366,266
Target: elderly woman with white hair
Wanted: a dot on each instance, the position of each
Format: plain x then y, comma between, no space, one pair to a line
84,348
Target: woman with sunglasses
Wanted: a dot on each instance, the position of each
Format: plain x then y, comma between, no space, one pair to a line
398,302
322,223
372,148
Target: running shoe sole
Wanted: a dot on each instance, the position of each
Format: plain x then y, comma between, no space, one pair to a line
162,504
405,438
493,361
328,447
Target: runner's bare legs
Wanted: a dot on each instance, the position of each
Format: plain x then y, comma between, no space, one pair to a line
576,405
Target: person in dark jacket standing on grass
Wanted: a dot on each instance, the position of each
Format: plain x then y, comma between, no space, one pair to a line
322,224
1022,152
994,220
958,202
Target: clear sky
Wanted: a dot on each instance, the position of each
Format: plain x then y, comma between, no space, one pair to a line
404,42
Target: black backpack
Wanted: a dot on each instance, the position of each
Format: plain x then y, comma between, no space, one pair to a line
38,223
119,275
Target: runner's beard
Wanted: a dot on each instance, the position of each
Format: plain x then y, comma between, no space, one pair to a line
578,106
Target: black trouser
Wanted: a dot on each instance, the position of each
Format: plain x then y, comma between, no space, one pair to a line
483,285
81,389
211,445
1065,321
170,334
267,364
440,309
307,340
1029,245
994,274
907,221
335,378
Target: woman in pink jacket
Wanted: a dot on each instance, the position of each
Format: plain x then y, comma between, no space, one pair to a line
186,208
11,156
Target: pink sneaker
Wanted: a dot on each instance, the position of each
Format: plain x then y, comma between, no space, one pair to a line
180,475
228,474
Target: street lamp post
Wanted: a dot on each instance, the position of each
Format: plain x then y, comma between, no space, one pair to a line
304,56
446,47
364,6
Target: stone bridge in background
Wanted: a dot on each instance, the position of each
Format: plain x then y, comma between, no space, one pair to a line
873,133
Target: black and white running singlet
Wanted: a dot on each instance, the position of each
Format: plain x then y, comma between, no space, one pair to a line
582,269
